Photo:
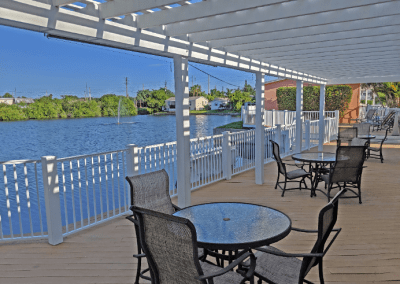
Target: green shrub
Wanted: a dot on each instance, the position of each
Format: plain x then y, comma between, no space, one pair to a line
11,113
233,125
337,97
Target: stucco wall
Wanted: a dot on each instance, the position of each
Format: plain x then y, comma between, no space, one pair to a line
272,103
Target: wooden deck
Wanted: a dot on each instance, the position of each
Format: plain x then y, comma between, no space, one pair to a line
367,250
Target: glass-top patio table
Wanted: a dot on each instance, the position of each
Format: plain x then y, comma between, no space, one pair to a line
236,226
320,159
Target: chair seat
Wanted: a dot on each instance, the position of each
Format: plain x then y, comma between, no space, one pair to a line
277,269
296,174
229,277
325,178
373,149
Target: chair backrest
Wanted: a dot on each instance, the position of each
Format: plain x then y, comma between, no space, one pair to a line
363,128
388,118
348,165
277,157
370,114
151,191
170,245
346,135
326,221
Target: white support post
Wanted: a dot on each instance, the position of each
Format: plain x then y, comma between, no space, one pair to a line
52,200
321,117
226,155
308,131
278,135
273,118
299,115
260,140
336,123
132,160
285,117
182,129
328,120
396,125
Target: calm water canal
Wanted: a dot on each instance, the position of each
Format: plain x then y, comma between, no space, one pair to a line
72,137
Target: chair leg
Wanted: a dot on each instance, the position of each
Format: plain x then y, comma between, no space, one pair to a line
329,192
321,273
139,263
277,181
284,187
359,193
381,155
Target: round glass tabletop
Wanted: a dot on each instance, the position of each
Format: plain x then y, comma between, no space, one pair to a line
316,157
231,226
366,136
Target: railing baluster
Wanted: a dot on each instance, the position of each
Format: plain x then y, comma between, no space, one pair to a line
80,190
100,191
64,197
87,192
126,194
72,194
28,199
119,188
112,183
38,200
7,200
17,199
107,193
94,191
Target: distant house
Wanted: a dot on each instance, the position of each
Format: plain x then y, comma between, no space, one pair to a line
23,100
195,103
219,103
7,101
11,101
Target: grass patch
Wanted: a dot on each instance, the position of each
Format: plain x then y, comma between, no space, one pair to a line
233,125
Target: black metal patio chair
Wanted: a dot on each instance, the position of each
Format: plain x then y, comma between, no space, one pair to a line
150,191
363,128
278,267
346,135
291,176
170,244
369,116
377,151
346,172
386,122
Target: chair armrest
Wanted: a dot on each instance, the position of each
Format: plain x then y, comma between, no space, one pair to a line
132,219
284,254
237,261
139,255
176,207
333,239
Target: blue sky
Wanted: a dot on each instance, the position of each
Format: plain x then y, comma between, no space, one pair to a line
33,64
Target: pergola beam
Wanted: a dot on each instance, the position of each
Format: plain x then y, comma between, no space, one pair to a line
321,11
308,43
304,33
369,79
122,7
200,10
59,3
67,24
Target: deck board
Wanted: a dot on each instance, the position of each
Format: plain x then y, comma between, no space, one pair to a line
367,250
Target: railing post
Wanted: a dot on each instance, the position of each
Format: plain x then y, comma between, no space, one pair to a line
52,200
278,135
308,131
285,117
132,160
273,118
226,155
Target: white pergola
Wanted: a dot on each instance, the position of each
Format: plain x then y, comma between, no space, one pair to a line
316,41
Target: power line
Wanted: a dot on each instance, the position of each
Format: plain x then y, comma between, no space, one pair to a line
213,76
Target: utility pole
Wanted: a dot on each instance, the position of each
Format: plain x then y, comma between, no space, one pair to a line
126,82
208,84
90,95
165,88
86,92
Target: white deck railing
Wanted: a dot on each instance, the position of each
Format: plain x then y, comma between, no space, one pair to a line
282,117
92,188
